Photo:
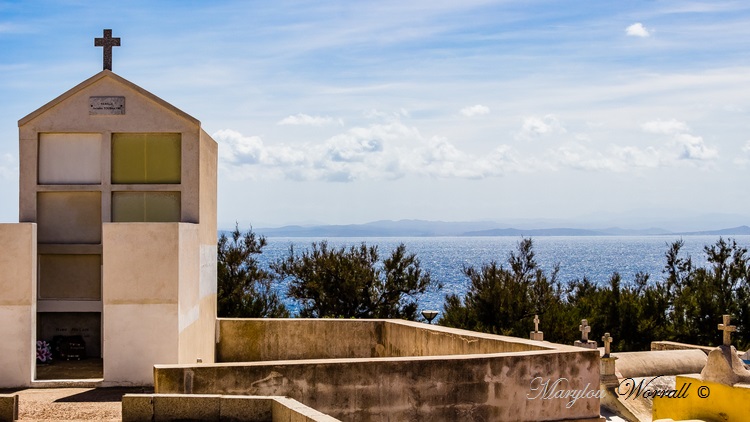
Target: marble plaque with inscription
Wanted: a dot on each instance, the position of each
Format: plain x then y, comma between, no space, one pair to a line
106,105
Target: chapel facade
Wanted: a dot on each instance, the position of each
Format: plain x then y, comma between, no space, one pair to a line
116,240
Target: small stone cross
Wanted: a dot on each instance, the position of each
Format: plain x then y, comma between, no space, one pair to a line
607,339
585,329
107,42
536,322
728,330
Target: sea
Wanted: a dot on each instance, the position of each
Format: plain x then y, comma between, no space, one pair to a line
594,257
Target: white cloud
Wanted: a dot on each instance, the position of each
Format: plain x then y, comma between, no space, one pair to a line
475,110
534,127
307,120
637,30
236,149
579,157
694,148
440,158
634,157
678,149
387,116
684,145
665,127
387,150
744,159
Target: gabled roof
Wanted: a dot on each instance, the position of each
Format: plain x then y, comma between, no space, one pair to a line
90,81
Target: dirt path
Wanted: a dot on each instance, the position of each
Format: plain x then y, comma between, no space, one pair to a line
72,404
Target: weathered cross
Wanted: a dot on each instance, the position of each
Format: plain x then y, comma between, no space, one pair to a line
107,42
536,323
585,329
607,339
728,330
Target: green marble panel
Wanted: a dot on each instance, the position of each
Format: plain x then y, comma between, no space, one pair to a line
154,207
146,158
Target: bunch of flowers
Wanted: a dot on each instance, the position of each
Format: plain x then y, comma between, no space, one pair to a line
43,352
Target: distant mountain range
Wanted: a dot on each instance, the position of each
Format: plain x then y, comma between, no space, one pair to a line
421,228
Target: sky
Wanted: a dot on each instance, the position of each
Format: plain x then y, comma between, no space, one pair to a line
576,113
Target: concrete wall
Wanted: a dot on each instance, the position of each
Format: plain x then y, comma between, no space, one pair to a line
208,187
250,340
407,338
154,311
8,407
18,267
140,315
207,240
177,407
197,301
335,371
266,339
673,345
471,387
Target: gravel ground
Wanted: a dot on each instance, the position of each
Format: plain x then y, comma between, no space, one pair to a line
72,404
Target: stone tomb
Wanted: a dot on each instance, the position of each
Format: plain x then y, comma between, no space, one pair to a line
117,234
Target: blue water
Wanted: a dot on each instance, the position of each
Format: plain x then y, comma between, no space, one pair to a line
595,257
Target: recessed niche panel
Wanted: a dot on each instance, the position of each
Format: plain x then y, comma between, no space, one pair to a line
146,158
72,277
85,324
157,207
70,158
69,217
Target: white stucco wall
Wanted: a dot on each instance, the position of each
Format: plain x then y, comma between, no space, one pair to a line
17,304
159,306
140,299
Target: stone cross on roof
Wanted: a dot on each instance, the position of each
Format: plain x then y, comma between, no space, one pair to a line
107,42
585,329
607,339
728,330
536,322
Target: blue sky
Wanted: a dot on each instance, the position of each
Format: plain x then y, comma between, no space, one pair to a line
578,113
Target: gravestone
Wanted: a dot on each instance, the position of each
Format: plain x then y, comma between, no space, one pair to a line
607,370
724,365
536,334
585,329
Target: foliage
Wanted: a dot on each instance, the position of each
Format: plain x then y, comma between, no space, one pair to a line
702,295
503,300
686,306
245,289
352,283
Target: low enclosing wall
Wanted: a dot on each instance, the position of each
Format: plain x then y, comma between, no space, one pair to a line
267,339
673,345
8,407
211,407
479,377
